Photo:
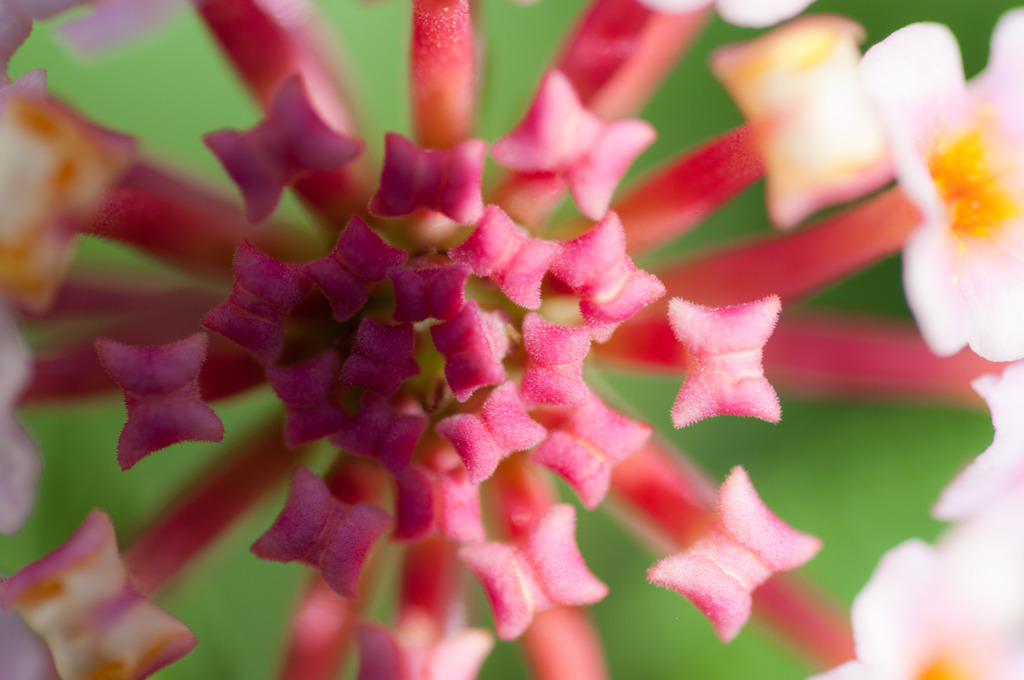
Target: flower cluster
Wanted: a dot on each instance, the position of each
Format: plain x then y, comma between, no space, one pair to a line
431,334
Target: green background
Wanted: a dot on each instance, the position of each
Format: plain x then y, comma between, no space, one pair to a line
860,476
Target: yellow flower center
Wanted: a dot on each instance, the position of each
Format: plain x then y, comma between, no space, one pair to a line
942,670
971,177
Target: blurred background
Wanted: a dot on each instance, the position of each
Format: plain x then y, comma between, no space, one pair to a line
861,476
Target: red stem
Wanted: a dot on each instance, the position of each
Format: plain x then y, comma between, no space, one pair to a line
676,198
620,52
430,580
562,642
169,218
797,263
209,506
443,72
321,630
662,490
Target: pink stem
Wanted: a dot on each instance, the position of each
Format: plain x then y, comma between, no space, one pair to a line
676,198
443,72
562,642
320,634
430,578
165,216
797,263
833,355
620,51
523,494
265,49
208,507
660,489
822,354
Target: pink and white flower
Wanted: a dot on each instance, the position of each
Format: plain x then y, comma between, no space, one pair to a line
958,149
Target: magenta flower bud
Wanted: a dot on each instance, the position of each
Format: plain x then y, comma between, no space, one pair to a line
265,292
609,286
359,258
445,181
554,372
547,569
508,255
559,136
377,431
428,292
724,348
382,357
319,530
307,390
161,393
584,451
473,345
428,502
292,139
501,428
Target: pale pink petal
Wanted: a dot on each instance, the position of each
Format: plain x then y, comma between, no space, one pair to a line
759,13
81,602
554,371
24,654
459,656
115,20
502,573
19,461
999,470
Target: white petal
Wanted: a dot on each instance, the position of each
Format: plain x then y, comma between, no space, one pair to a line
760,13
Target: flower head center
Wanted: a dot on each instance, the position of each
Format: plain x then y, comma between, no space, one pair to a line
971,177
942,669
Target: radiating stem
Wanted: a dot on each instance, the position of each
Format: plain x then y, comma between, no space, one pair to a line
320,633
430,579
529,198
797,263
174,220
523,493
562,642
659,489
620,51
209,506
677,197
443,70
821,354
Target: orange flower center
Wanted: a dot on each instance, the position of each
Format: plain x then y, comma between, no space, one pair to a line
970,176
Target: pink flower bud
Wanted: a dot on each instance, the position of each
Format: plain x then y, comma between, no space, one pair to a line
445,181
724,346
719,573
161,393
319,530
547,569
610,287
559,136
359,258
554,371
307,390
502,427
505,253
265,292
382,357
377,431
428,292
473,345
